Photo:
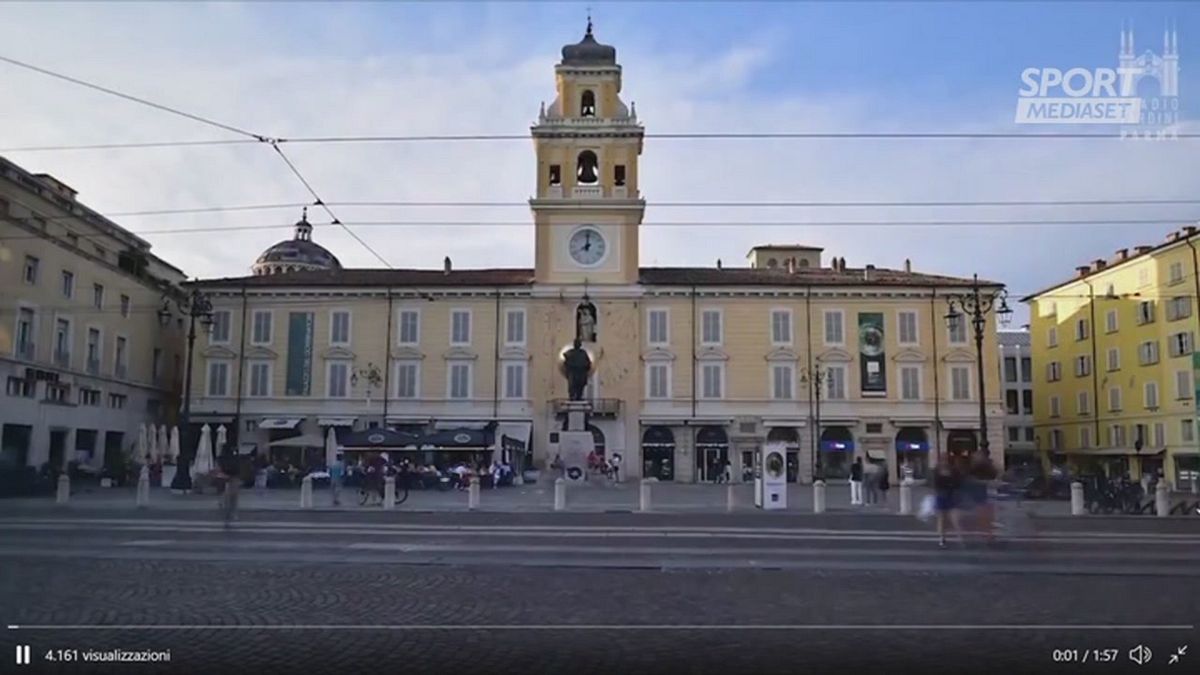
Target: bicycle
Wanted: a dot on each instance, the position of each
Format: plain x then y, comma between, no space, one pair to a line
370,490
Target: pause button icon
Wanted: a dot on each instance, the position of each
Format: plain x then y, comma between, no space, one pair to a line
23,657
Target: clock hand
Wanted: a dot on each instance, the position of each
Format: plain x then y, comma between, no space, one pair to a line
587,241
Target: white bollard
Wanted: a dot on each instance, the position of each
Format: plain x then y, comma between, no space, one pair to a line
906,497
644,495
819,496
1162,499
730,499
143,487
560,494
306,496
64,489
473,494
1077,499
389,493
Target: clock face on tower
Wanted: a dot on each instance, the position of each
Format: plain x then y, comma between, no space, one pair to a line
587,246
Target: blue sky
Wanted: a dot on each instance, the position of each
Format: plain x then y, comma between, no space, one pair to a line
383,68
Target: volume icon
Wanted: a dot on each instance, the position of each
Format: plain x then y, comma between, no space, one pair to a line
1140,655
23,655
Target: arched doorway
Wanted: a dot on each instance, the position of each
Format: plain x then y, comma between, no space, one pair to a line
912,452
789,437
712,453
658,453
961,443
597,439
836,452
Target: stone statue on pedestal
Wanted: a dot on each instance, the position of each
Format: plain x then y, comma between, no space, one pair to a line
578,365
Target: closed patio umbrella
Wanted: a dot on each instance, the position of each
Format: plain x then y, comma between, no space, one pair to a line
204,459
173,447
152,450
141,448
221,440
164,443
330,448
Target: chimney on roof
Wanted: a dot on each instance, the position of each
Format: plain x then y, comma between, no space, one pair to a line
719,263
1189,230
908,265
1083,270
1122,254
447,266
1099,264
867,272
1142,249
1173,236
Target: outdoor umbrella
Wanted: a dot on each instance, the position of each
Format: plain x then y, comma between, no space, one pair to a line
173,448
203,463
140,449
164,442
330,448
152,444
221,440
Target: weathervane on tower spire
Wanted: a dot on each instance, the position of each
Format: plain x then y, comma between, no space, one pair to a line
589,16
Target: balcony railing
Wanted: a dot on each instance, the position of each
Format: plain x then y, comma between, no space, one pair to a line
587,191
62,358
601,407
93,366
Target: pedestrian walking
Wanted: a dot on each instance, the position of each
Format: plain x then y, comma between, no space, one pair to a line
856,482
947,481
229,471
871,482
884,482
337,478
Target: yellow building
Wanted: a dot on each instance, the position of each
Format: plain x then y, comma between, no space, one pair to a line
693,367
1113,362
83,355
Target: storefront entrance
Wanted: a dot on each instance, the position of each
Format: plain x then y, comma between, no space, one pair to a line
837,452
712,453
658,453
961,443
912,453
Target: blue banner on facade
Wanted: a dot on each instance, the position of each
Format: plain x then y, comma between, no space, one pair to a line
299,354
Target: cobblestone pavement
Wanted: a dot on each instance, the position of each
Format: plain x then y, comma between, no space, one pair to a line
495,619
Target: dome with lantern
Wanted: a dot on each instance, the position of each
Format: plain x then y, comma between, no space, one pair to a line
296,254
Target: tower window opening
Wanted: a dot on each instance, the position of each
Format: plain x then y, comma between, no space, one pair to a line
586,170
556,174
619,174
587,104
772,263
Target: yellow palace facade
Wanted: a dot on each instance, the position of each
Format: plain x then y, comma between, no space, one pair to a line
692,367
1114,362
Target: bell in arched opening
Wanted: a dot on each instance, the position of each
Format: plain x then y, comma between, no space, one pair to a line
586,171
587,104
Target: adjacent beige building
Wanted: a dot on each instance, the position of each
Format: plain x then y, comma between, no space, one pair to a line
693,367
83,356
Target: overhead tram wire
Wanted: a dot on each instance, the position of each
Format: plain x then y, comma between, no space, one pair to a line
261,138
459,138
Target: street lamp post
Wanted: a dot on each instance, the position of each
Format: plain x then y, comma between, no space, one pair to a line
817,378
196,306
977,305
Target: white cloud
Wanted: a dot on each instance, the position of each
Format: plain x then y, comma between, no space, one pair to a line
227,62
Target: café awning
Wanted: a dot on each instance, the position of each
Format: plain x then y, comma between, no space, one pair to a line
279,422
378,439
461,438
303,441
335,421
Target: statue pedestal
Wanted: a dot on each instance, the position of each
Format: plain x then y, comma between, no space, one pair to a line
576,443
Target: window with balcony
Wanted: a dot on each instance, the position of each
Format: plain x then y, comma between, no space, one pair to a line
62,343
910,383
30,272
782,377
781,327
710,327
407,378
410,327
121,358
834,330
514,327
657,331
339,327
260,334
460,327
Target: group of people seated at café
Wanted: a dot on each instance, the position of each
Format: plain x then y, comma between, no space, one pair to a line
431,476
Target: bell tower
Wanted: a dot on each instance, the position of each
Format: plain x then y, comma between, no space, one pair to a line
587,207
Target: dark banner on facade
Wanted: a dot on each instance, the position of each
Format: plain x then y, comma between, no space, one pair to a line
299,354
870,354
